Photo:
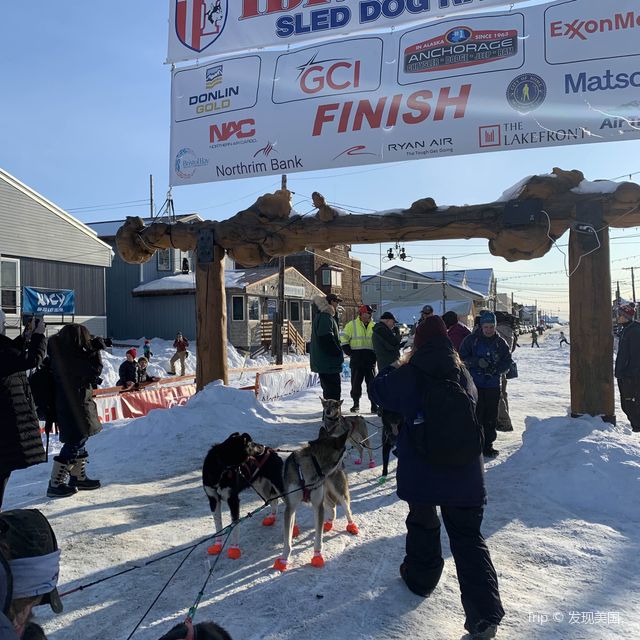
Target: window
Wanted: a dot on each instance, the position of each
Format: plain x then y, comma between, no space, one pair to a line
365,288
254,308
388,285
237,306
403,285
294,311
326,277
415,285
378,285
306,310
10,285
336,278
272,308
164,260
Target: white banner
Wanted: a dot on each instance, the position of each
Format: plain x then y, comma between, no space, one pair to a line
202,28
554,74
276,384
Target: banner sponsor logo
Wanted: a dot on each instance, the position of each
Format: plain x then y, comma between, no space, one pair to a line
624,119
460,47
356,150
516,134
199,24
186,163
608,81
584,29
41,301
258,167
416,148
526,92
223,134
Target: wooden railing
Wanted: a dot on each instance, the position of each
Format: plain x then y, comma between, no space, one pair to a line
290,336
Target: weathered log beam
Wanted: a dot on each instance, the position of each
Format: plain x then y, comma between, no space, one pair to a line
266,229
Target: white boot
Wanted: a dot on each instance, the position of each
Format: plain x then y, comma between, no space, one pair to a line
58,487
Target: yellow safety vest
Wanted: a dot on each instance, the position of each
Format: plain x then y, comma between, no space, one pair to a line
357,335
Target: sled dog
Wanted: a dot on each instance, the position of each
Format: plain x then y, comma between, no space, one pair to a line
314,474
355,426
229,468
200,631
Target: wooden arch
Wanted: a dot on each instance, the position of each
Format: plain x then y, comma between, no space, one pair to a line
541,210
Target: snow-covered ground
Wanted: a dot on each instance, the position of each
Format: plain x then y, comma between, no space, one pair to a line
163,350
562,524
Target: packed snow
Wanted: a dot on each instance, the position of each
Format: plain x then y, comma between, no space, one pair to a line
562,525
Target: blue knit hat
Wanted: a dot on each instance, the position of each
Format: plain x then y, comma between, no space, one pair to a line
487,317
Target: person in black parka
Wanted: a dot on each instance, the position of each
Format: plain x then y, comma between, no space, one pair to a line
76,365
459,490
20,440
627,368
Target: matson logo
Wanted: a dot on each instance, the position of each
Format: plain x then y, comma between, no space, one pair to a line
582,29
332,73
239,129
460,47
387,111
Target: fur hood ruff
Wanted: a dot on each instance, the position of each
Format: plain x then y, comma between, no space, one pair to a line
323,305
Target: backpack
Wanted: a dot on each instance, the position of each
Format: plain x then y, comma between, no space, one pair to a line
450,433
43,391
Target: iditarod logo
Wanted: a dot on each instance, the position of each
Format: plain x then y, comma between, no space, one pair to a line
199,23
460,47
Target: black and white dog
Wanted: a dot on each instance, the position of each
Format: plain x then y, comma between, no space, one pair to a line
229,468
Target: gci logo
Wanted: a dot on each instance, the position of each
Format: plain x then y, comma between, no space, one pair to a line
240,129
333,73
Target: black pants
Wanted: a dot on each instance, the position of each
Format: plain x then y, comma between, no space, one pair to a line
362,368
4,478
330,383
630,400
487,412
476,573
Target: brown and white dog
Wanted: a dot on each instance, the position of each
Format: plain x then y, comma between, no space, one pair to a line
355,426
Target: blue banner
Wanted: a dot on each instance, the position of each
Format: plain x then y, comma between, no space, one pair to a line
41,301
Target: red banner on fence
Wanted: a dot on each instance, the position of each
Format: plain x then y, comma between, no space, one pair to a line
139,403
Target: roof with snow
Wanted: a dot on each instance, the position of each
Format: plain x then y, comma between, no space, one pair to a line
410,314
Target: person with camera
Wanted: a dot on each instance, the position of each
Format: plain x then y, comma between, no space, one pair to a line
20,441
76,365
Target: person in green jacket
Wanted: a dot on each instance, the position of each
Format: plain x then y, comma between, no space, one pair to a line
326,353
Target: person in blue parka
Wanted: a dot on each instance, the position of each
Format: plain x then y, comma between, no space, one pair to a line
459,490
487,356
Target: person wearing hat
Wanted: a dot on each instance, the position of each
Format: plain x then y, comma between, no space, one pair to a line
30,548
456,331
487,356
76,365
180,344
627,367
128,371
326,356
20,440
458,489
358,344
146,350
386,340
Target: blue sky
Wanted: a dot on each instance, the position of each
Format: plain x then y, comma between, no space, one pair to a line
84,120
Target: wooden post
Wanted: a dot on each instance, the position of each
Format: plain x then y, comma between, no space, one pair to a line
592,390
279,329
211,312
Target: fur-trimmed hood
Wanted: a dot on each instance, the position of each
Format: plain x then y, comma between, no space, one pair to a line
323,305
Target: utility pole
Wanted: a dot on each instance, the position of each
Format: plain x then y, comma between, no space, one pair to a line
617,292
512,311
633,282
151,214
379,283
279,330
444,285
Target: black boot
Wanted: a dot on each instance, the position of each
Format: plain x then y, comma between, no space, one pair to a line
78,476
58,487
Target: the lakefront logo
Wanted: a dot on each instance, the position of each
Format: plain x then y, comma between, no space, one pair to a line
186,163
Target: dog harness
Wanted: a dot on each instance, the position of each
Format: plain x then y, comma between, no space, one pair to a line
306,489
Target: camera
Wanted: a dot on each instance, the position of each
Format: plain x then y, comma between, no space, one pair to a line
99,343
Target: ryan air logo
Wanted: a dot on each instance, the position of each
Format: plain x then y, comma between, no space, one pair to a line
200,23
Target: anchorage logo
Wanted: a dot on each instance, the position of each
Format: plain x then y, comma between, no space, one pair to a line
526,92
212,99
333,73
460,47
583,29
187,163
356,150
198,23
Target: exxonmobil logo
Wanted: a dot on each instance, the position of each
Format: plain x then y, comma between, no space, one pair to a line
238,128
583,29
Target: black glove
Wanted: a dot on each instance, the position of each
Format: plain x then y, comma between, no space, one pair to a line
482,363
347,349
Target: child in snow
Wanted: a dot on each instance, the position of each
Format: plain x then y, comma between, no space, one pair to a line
146,350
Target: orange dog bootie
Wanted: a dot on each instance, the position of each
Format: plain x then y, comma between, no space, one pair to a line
280,564
269,521
233,552
352,528
214,549
317,561
328,525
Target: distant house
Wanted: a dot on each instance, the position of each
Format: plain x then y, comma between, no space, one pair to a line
404,292
251,304
332,271
45,248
